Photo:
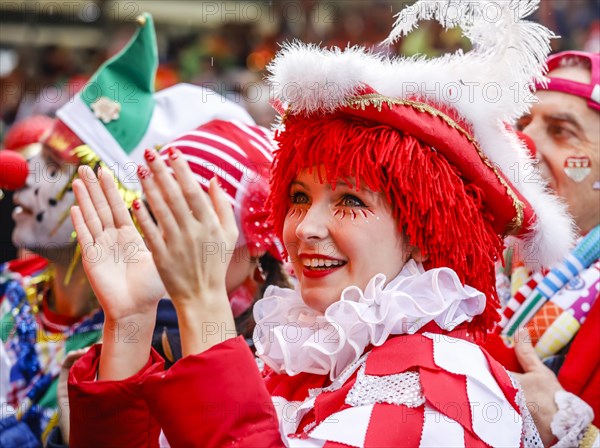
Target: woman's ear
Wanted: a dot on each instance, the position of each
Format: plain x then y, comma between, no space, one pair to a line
417,255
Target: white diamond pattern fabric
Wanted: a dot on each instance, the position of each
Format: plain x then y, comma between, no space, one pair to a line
489,408
401,389
355,422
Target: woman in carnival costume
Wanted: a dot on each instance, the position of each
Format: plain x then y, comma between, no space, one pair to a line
392,198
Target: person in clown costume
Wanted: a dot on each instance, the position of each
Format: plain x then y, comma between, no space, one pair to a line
392,201
559,308
23,138
47,306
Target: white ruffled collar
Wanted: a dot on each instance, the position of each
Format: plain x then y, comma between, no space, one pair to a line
291,337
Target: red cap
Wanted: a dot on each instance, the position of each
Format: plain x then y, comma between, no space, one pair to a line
453,138
62,140
27,132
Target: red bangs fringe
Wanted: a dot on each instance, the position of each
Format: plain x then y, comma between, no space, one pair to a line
435,209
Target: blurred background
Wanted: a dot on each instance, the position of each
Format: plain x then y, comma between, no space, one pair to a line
48,49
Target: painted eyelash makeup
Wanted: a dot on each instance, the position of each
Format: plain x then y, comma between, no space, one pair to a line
365,212
298,210
340,213
295,212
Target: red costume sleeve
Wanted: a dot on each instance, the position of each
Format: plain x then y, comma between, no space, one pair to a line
580,374
110,413
217,398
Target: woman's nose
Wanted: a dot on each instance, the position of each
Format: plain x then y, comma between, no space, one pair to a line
314,224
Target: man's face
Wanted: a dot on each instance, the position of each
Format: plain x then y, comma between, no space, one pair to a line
41,217
565,130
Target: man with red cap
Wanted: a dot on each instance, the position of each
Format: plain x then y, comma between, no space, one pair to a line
560,309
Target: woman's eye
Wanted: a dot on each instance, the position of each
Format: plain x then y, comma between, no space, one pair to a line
299,198
352,201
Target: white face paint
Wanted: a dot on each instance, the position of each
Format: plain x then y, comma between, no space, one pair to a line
42,222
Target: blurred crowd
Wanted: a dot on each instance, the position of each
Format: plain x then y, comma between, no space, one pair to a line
231,58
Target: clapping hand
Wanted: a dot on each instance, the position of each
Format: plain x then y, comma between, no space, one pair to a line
116,260
192,243
121,271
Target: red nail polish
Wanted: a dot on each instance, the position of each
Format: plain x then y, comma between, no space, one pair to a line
173,153
136,204
149,155
143,171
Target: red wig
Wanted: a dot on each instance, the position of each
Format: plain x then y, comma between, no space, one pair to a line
436,209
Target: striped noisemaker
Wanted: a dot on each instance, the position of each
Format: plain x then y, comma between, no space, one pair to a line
586,252
513,304
562,330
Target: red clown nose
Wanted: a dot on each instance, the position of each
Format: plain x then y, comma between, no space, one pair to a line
528,143
13,170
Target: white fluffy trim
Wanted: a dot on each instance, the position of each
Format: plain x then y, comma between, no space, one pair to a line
291,337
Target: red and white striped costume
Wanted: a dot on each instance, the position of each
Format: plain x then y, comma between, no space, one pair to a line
415,390
362,381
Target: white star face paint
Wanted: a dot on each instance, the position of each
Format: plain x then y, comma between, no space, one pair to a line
42,222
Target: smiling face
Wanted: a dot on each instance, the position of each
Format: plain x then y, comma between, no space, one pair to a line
562,127
422,209
339,237
41,217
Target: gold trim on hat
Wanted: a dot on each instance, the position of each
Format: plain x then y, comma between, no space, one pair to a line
377,100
